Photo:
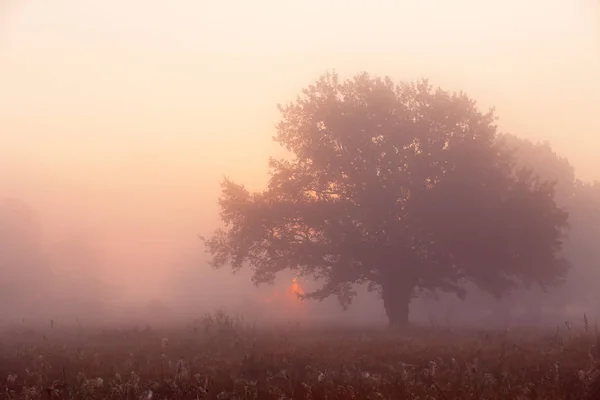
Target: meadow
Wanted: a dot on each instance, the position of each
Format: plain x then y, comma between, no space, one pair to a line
221,357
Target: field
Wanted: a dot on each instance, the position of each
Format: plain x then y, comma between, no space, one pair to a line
218,357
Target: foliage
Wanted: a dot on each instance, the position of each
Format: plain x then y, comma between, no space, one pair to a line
403,187
582,201
545,163
238,362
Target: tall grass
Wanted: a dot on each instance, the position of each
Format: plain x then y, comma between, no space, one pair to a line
221,357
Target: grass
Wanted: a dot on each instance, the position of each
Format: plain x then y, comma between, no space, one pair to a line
219,357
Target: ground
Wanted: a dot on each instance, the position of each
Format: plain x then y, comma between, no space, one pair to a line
217,357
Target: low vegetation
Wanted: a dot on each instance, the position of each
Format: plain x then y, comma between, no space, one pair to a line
219,357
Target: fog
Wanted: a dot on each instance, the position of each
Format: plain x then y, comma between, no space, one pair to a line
118,121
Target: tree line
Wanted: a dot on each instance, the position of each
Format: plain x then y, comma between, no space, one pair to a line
43,279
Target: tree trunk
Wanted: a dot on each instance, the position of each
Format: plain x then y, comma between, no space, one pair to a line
396,295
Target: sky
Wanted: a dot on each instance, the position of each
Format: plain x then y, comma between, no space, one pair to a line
120,118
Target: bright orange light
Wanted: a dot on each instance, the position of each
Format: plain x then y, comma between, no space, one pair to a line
296,289
286,300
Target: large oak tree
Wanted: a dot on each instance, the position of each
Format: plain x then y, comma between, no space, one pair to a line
401,186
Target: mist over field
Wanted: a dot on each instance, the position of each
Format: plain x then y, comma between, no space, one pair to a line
119,121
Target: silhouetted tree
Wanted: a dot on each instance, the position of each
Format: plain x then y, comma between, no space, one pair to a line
403,187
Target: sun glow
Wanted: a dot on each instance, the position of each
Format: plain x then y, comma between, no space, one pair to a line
296,288
286,300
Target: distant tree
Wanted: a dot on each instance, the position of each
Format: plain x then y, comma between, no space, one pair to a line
19,227
582,248
546,164
75,264
582,201
400,186
20,252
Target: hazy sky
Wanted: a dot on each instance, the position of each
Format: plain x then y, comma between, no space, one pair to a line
122,116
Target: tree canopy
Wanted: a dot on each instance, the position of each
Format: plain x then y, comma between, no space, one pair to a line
401,186
546,164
